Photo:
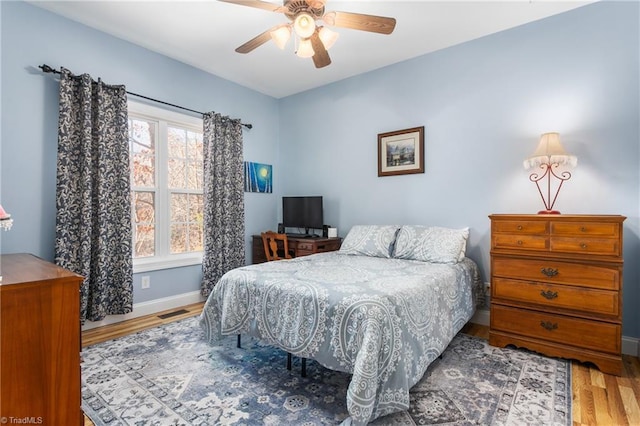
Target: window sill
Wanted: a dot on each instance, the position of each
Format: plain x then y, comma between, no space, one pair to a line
155,264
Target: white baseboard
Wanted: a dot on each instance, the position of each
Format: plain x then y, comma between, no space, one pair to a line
148,308
630,345
481,317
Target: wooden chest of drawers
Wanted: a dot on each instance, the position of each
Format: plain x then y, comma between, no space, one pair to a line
39,342
556,286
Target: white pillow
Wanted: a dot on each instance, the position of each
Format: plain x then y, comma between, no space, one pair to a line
370,240
431,244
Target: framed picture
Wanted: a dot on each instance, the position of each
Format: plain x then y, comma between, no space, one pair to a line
401,152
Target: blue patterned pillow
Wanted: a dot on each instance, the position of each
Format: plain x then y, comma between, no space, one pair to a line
370,240
431,244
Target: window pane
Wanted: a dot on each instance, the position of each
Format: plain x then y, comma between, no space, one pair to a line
144,207
195,238
142,170
196,212
144,245
194,175
177,175
194,146
178,239
177,142
179,207
143,219
142,137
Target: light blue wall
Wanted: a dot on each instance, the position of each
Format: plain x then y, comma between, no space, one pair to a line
31,36
483,104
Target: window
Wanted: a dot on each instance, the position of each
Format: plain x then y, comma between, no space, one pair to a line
166,187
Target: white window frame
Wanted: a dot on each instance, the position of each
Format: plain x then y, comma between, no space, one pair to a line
163,259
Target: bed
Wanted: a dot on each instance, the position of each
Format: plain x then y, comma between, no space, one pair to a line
382,308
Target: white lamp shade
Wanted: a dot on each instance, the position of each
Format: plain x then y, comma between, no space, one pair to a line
305,49
550,151
328,37
281,35
304,25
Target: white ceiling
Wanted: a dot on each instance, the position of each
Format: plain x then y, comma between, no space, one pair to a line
204,34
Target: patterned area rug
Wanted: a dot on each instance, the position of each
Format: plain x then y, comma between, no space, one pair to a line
169,376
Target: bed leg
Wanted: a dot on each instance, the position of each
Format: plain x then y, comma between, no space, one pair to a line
303,371
238,344
288,360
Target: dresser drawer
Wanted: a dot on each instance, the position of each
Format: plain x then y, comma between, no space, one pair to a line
585,245
552,271
557,297
592,229
520,227
305,247
594,335
329,246
519,242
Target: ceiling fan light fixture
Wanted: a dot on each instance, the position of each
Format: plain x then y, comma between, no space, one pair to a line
281,35
305,49
304,25
328,37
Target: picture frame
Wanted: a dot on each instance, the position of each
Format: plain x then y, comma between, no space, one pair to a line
401,152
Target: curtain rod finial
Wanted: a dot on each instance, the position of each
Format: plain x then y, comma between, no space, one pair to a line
46,68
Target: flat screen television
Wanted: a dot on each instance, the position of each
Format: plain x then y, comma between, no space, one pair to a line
302,212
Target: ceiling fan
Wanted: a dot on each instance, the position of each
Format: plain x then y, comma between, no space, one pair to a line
313,40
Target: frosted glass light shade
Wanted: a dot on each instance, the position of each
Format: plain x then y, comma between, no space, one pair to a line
304,25
281,35
305,50
328,37
550,151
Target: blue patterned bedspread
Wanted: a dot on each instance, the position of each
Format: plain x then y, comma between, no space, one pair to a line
383,320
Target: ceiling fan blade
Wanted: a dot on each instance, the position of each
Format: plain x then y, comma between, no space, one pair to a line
257,41
360,21
321,56
265,5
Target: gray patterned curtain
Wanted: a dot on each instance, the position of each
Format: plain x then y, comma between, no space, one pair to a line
93,221
223,199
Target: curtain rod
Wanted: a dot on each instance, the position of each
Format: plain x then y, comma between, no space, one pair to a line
47,69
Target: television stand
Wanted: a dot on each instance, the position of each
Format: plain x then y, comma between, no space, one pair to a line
296,235
297,246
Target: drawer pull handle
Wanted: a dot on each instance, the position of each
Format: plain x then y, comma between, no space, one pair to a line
549,272
519,242
548,325
548,294
583,245
583,229
519,227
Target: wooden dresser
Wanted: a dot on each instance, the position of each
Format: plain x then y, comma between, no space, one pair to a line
556,286
297,247
39,342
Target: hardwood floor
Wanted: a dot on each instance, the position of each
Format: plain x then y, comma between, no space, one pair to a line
598,399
